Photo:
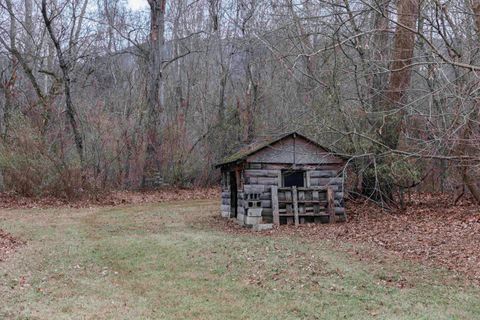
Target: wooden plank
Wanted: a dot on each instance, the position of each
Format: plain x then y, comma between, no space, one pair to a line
288,195
330,208
267,181
308,195
321,201
249,188
251,180
261,173
319,167
294,150
301,209
326,181
323,173
301,195
289,208
312,188
254,165
276,218
295,204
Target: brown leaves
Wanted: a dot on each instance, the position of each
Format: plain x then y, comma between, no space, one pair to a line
431,231
8,244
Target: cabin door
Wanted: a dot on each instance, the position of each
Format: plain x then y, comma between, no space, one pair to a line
233,194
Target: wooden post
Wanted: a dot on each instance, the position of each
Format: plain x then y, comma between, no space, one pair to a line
295,204
276,217
330,205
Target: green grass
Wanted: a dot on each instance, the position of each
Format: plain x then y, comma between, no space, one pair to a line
164,262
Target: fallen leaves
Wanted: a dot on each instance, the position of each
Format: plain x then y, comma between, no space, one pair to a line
431,231
8,244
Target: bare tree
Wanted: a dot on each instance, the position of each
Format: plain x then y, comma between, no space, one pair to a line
66,60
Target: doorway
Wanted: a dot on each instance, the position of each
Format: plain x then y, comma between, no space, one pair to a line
233,194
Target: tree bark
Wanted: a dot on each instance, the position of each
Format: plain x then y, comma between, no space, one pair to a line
466,142
378,184
400,71
380,57
155,88
214,10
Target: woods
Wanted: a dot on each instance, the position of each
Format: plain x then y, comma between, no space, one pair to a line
96,95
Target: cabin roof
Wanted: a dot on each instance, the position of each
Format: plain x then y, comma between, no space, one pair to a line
252,148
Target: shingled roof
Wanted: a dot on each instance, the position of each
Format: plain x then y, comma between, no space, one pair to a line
252,148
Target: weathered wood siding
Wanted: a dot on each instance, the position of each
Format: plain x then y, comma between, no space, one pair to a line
332,178
294,151
261,181
263,169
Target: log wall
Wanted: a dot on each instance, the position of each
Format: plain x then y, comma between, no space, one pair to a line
260,177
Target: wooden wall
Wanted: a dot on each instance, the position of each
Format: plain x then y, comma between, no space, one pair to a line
294,150
332,178
259,178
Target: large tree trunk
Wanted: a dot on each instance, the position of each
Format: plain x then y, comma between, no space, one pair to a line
155,88
378,184
400,71
468,146
467,143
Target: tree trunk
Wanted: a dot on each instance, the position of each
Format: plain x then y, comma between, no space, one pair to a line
29,45
378,184
400,71
155,89
467,142
214,10
380,57
64,64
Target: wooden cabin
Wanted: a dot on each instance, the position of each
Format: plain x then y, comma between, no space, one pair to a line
289,179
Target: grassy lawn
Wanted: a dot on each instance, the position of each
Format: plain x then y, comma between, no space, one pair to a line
163,262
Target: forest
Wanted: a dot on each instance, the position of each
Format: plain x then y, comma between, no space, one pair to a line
96,95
